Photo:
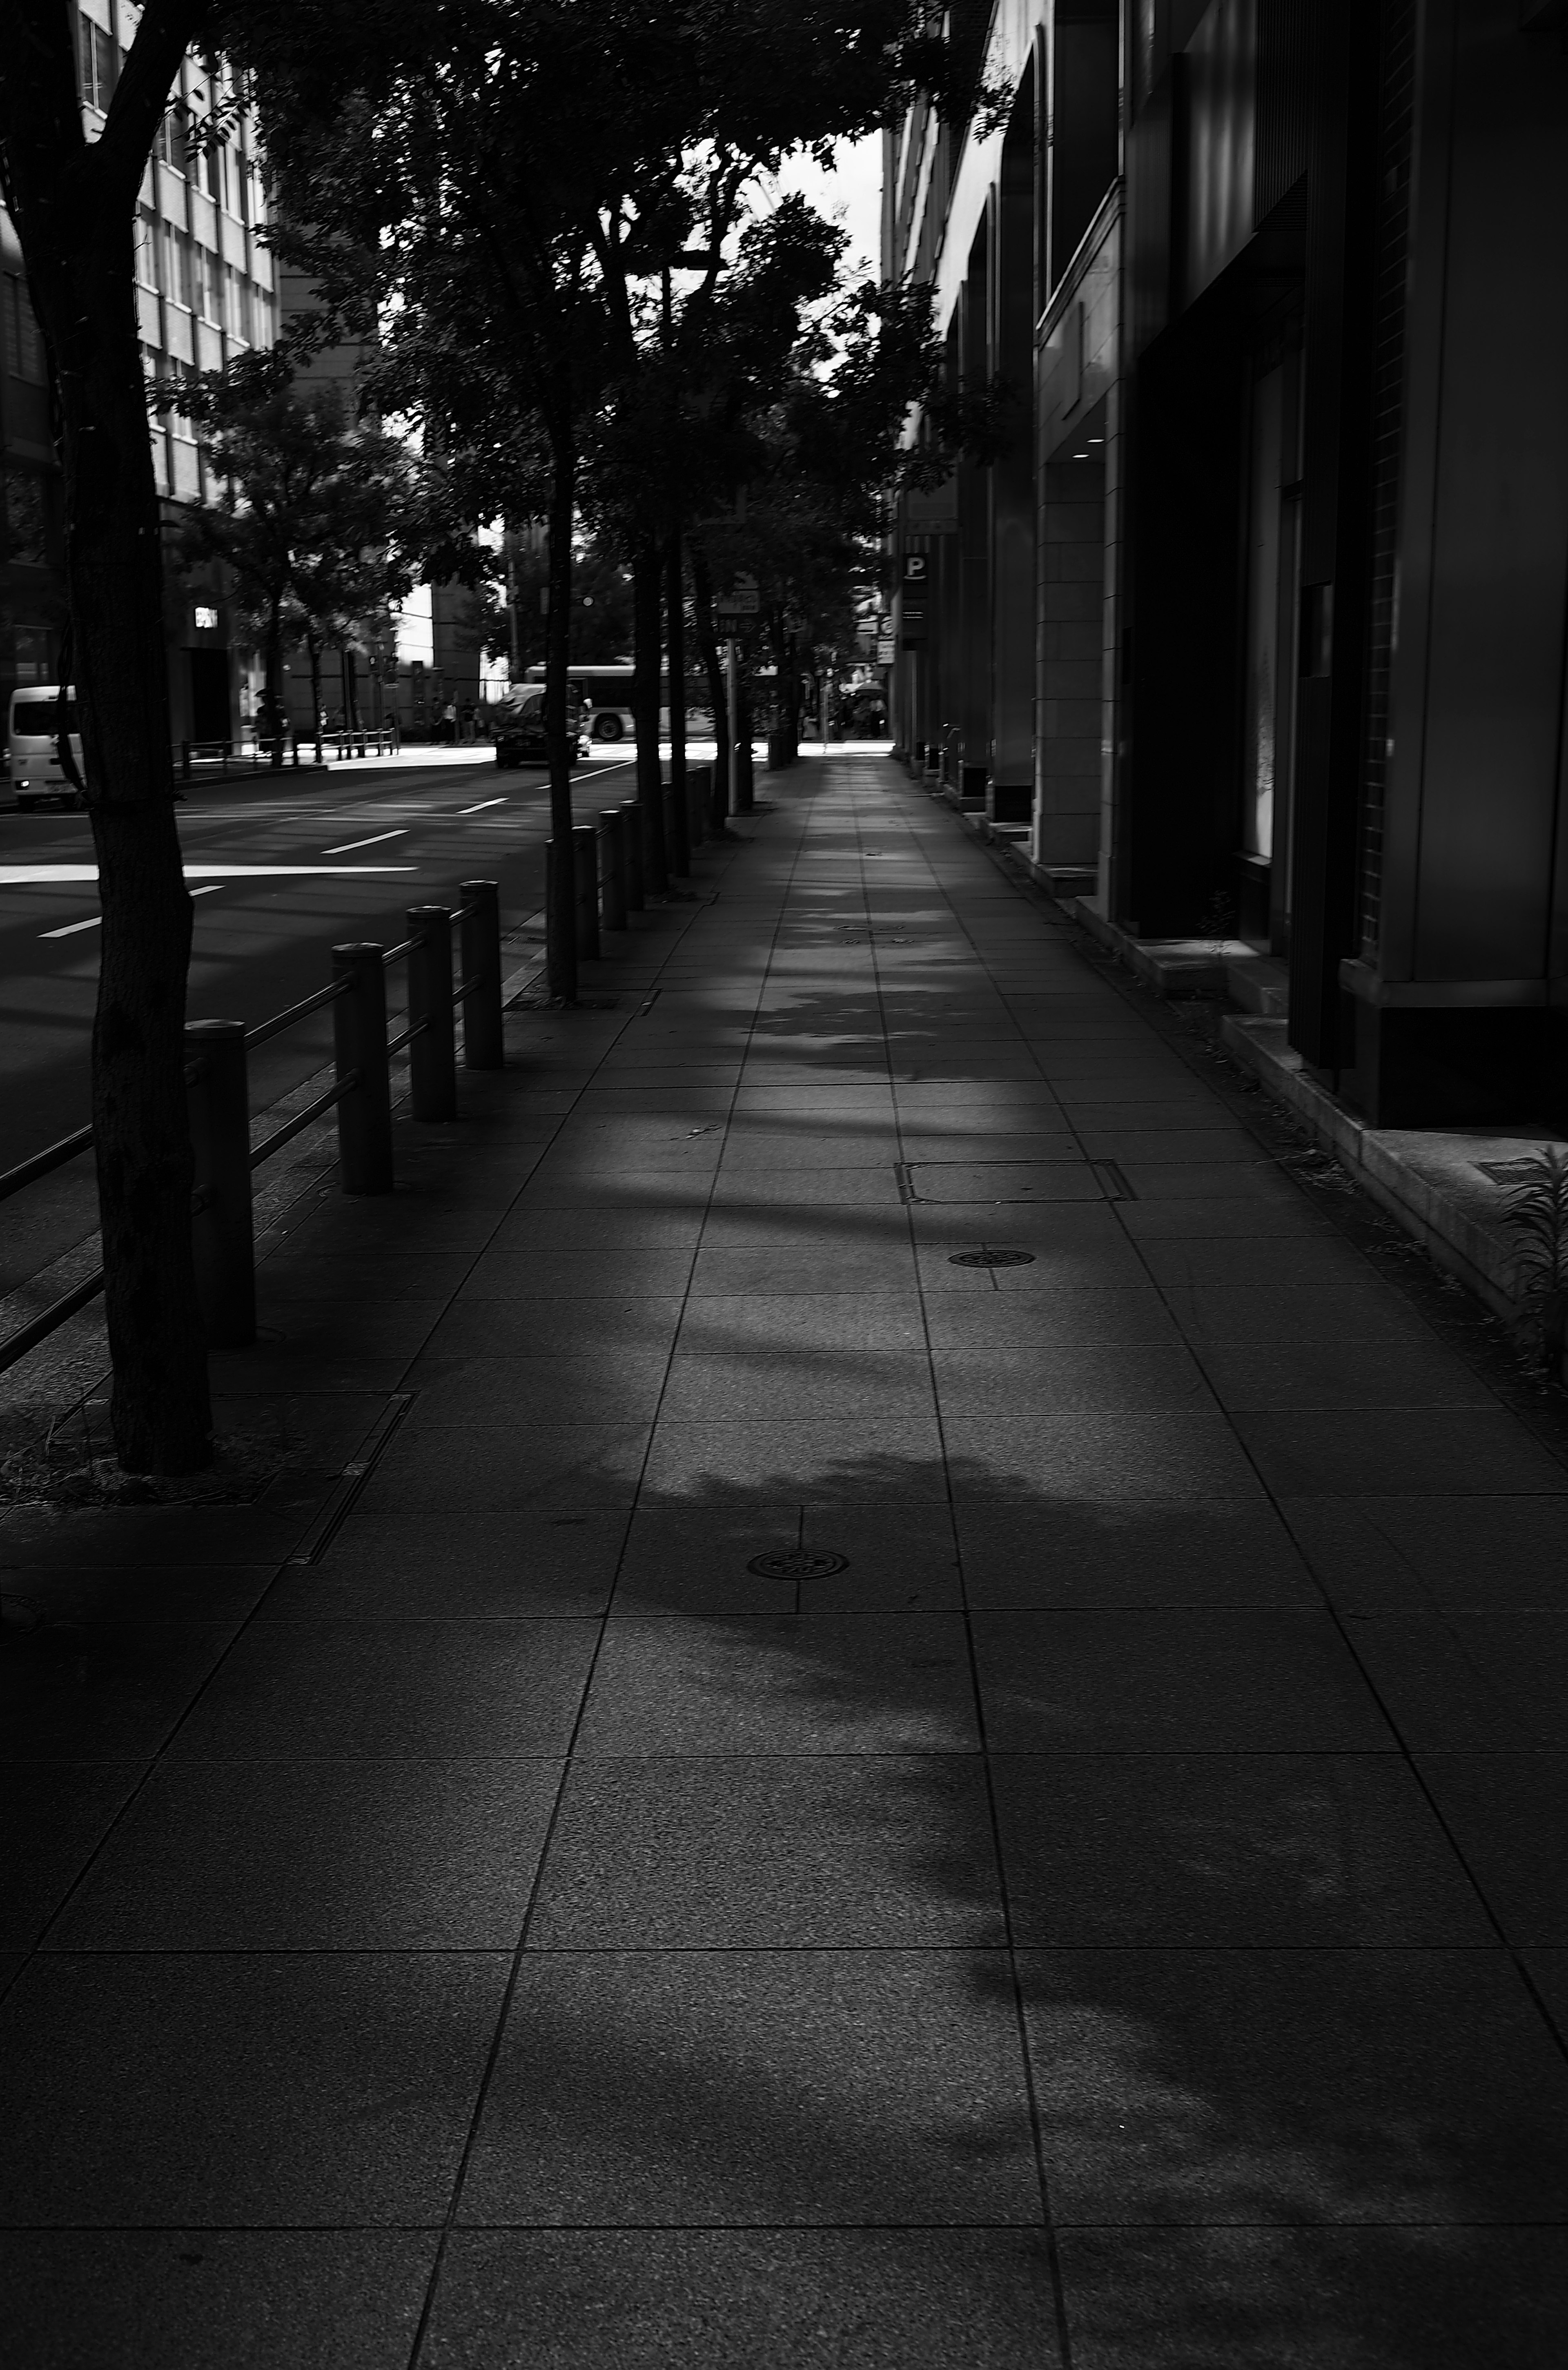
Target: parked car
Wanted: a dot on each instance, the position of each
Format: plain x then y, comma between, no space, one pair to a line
520,739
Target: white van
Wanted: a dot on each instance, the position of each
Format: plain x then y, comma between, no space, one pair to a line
37,774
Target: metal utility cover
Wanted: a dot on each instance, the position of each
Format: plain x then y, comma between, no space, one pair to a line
1005,1180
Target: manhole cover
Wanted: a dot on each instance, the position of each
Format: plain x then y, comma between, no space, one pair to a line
800,1565
990,1259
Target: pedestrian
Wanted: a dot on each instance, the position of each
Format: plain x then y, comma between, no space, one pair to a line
449,721
467,722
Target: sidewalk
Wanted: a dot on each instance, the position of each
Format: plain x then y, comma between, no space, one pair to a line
1097,1899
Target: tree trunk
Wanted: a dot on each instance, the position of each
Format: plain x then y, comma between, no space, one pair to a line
76,223
674,645
560,923
273,693
645,702
313,646
718,689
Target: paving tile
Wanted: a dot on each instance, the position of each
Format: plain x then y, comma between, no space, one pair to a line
803,1321
861,2299
855,1683
516,1271
771,1854
805,1145
792,1266
1241,1259
627,1228
56,1816
1381,1453
1180,1108
1206,1679
1319,2299
289,1274
1508,1813
1376,1554
130,1595
1548,1973
506,1567
1051,1373
743,2087
695,1562
605,1183
1130,1553
1285,1215
961,1140
406,1689
1077,1314
318,1856
269,2090
797,1385
1155,1177
1327,1850
101,1691
1353,1373
1262,2086
500,1324
613,1385
214,2299
1167,1454
813,1463
1469,1682
1205,1141
873,1186
1357,1313
509,1469
1004,1185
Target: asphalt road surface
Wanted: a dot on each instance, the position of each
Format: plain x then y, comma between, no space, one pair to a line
281,868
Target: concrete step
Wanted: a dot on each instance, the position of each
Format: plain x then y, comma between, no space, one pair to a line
1259,983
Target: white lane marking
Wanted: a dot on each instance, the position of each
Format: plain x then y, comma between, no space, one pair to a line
26,875
71,929
349,845
211,891
482,805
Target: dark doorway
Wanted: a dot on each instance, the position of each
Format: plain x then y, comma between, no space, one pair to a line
209,696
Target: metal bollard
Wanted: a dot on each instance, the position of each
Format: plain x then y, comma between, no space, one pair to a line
612,867
479,956
699,791
222,1240
433,1055
585,879
359,1031
631,854
744,777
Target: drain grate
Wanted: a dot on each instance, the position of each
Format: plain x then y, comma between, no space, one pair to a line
991,1259
800,1563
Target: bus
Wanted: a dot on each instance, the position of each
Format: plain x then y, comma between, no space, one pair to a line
606,696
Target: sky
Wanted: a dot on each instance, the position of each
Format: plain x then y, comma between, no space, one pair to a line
850,193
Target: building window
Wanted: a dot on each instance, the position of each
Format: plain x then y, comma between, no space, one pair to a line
22,520
24,346
99,64
207,277
239,315
175,265
172,146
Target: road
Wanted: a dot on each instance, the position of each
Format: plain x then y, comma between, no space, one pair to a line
281,867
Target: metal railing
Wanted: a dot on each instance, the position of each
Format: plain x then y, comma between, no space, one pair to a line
217,1077
609,881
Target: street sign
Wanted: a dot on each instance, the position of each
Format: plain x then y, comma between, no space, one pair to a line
887,650
743,599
